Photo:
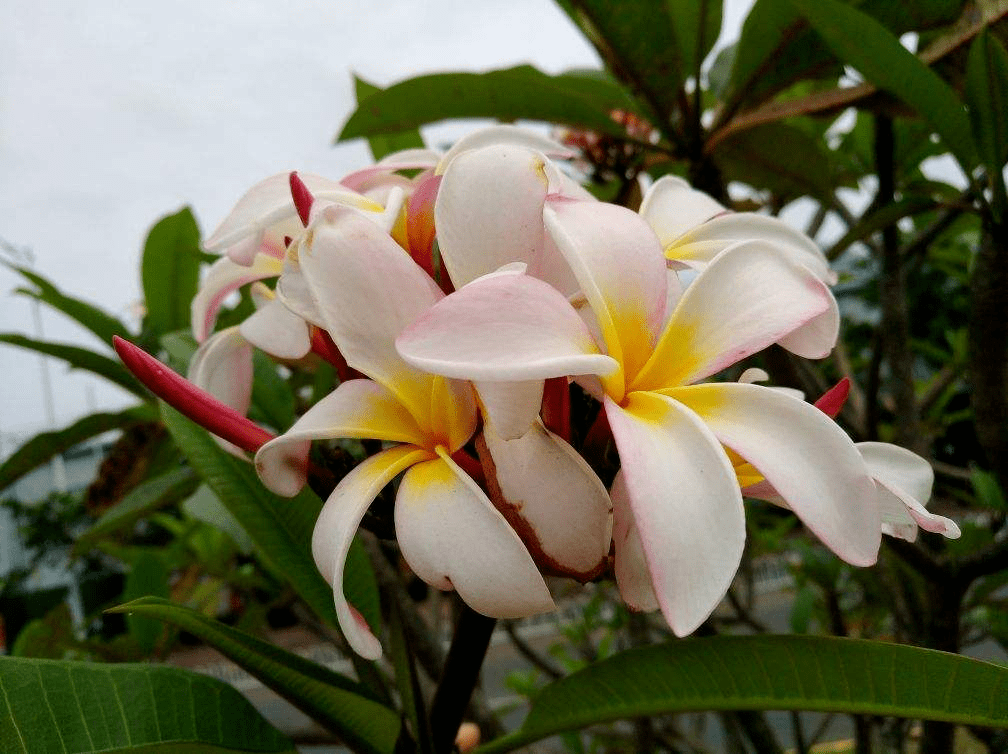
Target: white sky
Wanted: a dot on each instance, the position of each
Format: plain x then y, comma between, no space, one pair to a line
113,114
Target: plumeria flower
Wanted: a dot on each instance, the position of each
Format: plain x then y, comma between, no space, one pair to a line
654,348
367,290
693,229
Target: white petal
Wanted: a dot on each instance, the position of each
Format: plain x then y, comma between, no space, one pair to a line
279,332
368,289
337,524
503,134
503,327
685,501
223,278
672,207
270,202
222,366
701,244
555,500
452,537
749,297
631,570
292,289
512,407
355,409
618,264
804,454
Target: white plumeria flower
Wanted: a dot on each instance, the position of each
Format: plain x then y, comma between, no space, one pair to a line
367,290
655,345
693,229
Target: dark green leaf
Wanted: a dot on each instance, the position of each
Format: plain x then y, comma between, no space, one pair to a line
44,446
170,271
48,706
769,673
508,94
339,703
987,490
873,222
80,358
147,497
877,54
987,97
386,143
272,398
102,324
780,157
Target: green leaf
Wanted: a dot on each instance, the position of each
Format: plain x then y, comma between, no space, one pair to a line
339,703
769,673
100,323
45,445
170,272
272,397
281,528
48,706
987,490
80,358
387,143
147,497
877,54
987,97
508,94
148,576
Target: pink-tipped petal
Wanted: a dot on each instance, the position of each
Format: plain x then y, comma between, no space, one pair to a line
803,454
223,278
368,289
555,500
222,366
359,409
686,503
337,524
503,135
503,327
630,567
672,208
619,267
452,537
748,298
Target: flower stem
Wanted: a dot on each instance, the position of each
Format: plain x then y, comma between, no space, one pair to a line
458,679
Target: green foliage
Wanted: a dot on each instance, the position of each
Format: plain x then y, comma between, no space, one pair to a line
170,272
48,706
341,704
384,144
768,672
80,358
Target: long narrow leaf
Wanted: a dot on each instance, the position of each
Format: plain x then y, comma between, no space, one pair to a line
80,358
864,43
153,494
170,272
508,94
48,705
101,323
769,673
339,703
44,446
385,144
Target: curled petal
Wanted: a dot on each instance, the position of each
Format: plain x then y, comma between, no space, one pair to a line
619,267
749,297
222,366
803,454
673,208
337,524
503,134
553,499
359,409
453,537
686,503
275,329
632,575
223,278
503,327
905,480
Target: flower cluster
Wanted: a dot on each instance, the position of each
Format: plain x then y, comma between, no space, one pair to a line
464,304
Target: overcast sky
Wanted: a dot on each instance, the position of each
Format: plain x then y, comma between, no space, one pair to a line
113,114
